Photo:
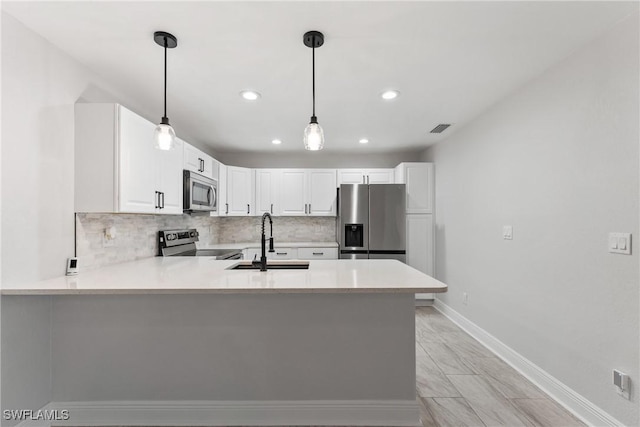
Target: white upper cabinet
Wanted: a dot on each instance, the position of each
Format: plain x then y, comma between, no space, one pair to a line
268,190
117,168
365,176
322,193
308,192
223,205
293,195
418,177
197,161
240,191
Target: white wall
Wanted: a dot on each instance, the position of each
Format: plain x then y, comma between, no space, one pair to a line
40,85
559,161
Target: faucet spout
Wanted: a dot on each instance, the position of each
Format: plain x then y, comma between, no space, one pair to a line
263,242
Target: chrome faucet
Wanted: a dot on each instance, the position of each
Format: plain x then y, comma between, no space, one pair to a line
263,241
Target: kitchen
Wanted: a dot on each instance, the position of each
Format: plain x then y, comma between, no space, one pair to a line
520,296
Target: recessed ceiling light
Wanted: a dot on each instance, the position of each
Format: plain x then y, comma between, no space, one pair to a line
364,141
276,142
250,95
390,94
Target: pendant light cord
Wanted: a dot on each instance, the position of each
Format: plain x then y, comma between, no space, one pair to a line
165,76
313,79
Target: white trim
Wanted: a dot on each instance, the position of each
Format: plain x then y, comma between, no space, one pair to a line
575,403
248,413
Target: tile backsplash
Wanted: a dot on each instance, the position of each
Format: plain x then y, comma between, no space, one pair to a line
137,234
285,229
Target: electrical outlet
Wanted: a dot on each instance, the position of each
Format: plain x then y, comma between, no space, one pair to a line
507,232
465,298
621,381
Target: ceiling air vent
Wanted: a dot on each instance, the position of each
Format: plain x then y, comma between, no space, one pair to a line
440,128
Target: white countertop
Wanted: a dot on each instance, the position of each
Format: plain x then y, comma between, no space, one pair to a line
276,244
193,275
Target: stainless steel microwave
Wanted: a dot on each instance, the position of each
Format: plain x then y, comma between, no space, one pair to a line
200,193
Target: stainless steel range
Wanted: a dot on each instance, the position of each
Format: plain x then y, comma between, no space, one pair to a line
183,243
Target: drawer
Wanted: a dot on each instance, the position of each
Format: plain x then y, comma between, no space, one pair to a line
317,253
283,253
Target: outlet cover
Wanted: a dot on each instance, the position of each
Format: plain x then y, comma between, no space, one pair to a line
507,232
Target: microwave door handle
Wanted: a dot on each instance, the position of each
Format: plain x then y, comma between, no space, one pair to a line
210,196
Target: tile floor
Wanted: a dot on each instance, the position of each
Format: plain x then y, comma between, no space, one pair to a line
461,383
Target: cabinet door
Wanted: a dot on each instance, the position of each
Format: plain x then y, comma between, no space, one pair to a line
380,176
239,191
293,193
351,176
193,158
419,180
267,190
138,165
170,178
322,193
420,244
223,204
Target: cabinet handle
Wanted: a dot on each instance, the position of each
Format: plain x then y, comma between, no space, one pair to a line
367,179
162,195
157,199
318,253
227,209
309,208
281,253
248,209
272,208
305,208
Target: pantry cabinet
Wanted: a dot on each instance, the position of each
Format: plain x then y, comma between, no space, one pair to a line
418,177
117,167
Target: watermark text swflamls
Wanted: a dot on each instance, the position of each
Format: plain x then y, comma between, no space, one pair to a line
39,415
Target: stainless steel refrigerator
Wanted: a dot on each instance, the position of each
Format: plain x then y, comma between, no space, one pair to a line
372,221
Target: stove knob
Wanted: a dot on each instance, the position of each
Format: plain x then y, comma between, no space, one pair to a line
170,236
192,234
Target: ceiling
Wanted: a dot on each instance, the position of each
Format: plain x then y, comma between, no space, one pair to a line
449,60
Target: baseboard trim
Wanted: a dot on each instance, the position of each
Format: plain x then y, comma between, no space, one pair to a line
236,413
574,402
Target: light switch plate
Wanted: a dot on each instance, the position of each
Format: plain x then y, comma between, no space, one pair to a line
507,232
620,243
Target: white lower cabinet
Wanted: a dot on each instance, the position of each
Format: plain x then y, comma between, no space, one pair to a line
317,253
293,253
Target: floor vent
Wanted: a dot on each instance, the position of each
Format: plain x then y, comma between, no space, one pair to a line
440,128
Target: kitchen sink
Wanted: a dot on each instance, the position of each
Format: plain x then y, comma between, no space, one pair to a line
272,265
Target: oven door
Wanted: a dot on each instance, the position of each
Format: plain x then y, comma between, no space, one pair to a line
200,193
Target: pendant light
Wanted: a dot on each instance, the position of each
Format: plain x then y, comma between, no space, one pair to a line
313,135
164,136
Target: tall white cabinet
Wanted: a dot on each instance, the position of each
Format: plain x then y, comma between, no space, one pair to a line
419,180
117,168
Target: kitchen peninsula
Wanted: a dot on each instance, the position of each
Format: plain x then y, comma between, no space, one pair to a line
188,341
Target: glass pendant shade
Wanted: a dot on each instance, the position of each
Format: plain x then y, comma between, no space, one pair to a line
164,137
313,137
